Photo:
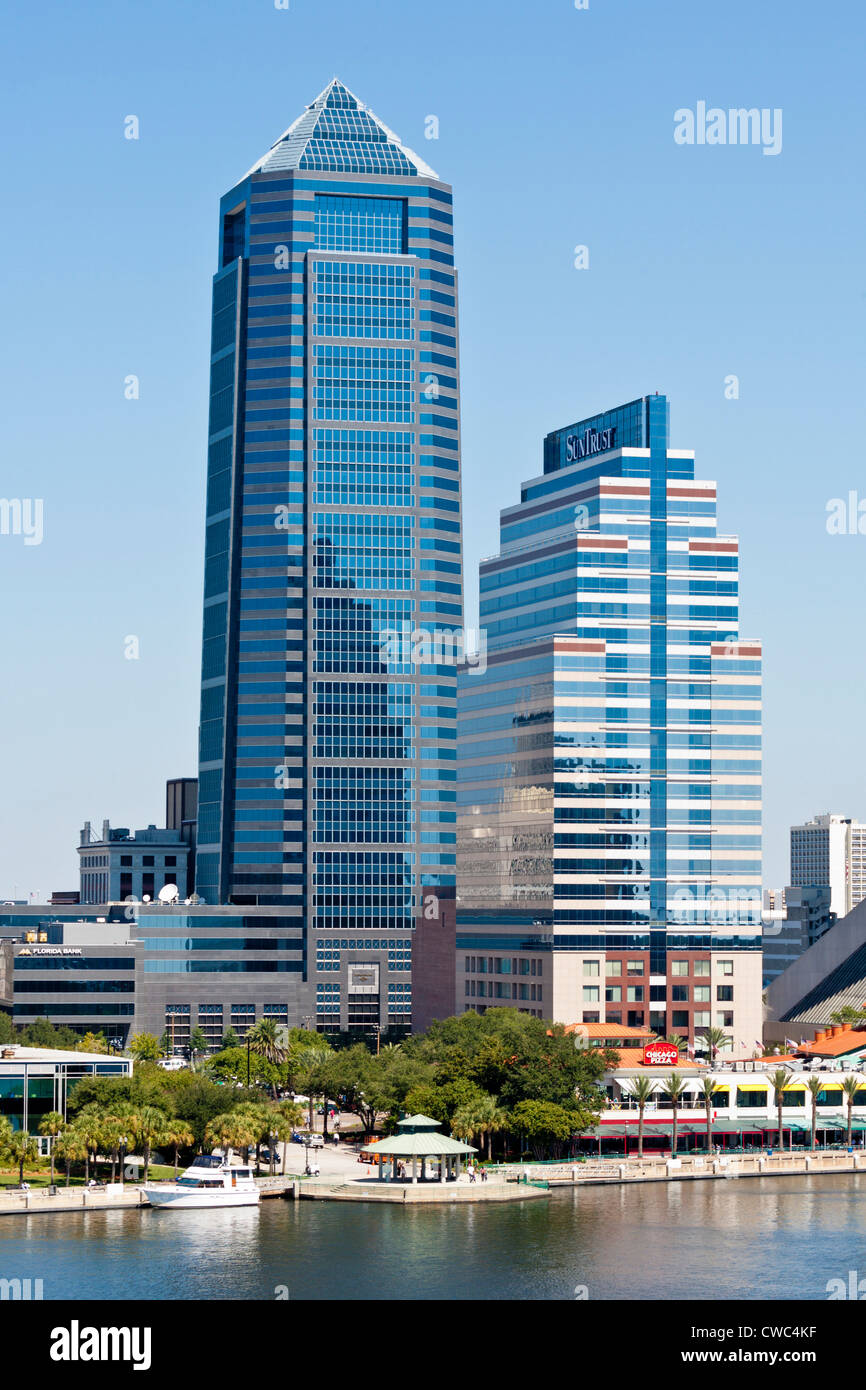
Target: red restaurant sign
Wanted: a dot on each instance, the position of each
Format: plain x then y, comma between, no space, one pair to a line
660,1054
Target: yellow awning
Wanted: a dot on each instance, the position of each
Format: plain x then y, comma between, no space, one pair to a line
751,1086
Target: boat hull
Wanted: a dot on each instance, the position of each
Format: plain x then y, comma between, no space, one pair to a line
166,1197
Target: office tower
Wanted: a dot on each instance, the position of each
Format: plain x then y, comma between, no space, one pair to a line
328,754
830,851
609,844
793,920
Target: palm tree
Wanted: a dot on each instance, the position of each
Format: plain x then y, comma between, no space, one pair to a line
52,1125
258,1120
779,1080
673,1088
709,1088
290,1115
70,1148
231,1130
220,1133
149,1126
814,1086
641,1090
113,1129
310,1064
22,1147
5,1135
264,1040
179,1136
716,1039
851,1085
493,1119
674,1040
88,1126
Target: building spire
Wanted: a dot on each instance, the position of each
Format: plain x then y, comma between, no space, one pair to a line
337,133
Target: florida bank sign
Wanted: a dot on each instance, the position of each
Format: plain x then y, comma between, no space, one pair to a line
584,446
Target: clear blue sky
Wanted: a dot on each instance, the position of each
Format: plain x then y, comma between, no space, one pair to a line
556,128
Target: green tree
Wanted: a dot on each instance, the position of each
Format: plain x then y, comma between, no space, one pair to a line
229,1039
149,1125
779,1080
5,1136
231,1065
70,1148
673,1087
178,1136
230,1131
709,1089
42,1033
264,1041
52,1125
144,1047
851,1085
848,1014
198,1045
7,1028
310,1070
641,1091
92,1042
22,1147
814,1086
88,1126
546,1125
290,1116
482,1117
716,1039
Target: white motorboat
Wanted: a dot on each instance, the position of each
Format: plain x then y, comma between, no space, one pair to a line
210,1182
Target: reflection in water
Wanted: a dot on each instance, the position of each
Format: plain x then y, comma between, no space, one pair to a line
739,1239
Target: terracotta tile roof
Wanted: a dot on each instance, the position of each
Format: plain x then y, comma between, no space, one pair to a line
834,1042
609,1030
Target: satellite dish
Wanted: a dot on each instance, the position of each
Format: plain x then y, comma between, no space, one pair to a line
169,894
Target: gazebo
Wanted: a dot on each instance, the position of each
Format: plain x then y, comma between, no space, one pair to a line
419,1137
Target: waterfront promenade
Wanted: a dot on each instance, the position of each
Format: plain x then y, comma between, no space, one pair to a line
341,1181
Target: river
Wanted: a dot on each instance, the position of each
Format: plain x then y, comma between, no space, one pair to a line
762,1238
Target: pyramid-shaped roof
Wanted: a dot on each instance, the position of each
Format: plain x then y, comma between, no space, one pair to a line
338,134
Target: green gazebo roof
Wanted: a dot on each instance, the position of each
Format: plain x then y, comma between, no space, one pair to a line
417,1122
421,1145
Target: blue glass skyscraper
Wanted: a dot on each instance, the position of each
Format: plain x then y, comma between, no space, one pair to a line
609,866
328,761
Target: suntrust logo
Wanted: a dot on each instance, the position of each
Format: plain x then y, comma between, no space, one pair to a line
77,1343
736,126
583,446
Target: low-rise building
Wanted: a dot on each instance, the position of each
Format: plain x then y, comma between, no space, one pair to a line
36,1080
120,865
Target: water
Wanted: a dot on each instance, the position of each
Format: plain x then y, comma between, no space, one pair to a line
743,1239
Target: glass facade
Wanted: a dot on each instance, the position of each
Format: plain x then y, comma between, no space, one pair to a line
610,759
333,488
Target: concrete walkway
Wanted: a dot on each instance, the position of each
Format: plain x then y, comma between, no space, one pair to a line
685,1169
39,1199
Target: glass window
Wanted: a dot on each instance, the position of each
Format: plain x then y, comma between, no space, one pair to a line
591,967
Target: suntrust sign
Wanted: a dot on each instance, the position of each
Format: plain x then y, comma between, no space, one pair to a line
659,1054
584,446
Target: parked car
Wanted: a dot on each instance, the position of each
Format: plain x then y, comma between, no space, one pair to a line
315,1141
